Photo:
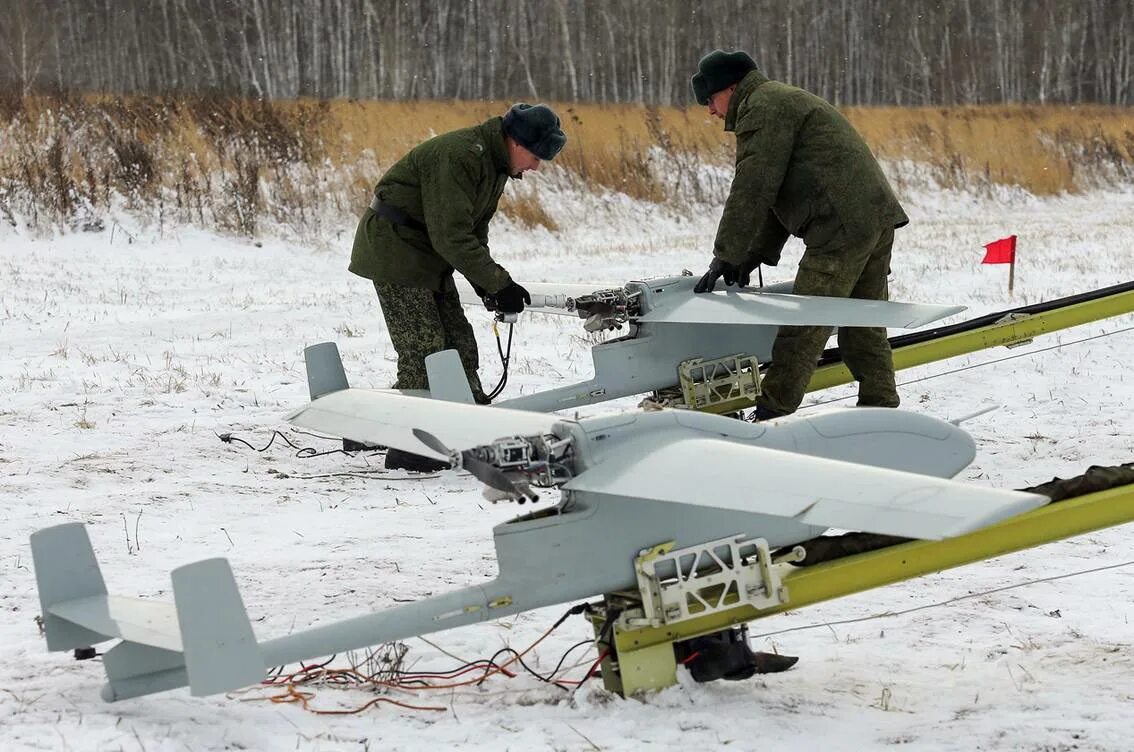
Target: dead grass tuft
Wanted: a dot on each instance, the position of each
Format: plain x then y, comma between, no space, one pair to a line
527,211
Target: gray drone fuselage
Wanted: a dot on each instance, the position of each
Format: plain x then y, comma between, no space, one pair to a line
586,544
646,358
668,324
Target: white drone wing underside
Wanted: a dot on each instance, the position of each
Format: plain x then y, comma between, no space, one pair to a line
770,308
389,418
812,490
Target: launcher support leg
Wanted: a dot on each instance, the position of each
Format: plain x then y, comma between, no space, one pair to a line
642,658
629,668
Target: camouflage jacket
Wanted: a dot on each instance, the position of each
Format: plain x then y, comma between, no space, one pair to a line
801,169
451,184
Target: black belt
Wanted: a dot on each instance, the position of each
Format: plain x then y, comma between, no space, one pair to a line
395,215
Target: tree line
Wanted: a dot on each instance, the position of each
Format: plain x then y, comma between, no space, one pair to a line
852,52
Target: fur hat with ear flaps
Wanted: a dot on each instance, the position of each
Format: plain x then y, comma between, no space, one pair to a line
536,128
719,70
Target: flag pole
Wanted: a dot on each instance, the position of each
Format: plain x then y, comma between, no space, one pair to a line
1012,267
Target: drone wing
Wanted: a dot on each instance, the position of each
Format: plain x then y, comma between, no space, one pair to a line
813,490
389,419
754,307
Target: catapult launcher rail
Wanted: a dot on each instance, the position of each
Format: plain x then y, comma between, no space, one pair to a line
638,635
1010,328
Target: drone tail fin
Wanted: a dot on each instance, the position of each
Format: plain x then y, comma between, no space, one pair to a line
325,373
447,380
66,572
220,650
203,640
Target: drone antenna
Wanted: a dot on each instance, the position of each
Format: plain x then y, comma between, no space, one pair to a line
959,421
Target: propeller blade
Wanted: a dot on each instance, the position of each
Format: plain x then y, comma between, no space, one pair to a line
489,475
432,442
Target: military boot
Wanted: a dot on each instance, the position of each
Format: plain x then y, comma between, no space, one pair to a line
726,655
349,445
764,413
396,459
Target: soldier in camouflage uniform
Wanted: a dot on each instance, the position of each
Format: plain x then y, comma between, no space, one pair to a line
803,170
429,216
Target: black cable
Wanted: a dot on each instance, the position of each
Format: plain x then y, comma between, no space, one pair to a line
527,668
450,674
301,453
576,609
505,357
570,650
606,637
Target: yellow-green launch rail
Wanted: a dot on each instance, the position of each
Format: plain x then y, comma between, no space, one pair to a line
1011,327
645,657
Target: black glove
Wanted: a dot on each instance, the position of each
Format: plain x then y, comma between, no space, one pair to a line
512,298
744,273
717,269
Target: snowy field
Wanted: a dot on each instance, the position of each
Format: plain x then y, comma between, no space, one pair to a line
126,353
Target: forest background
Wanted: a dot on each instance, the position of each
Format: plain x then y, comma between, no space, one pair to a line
253,117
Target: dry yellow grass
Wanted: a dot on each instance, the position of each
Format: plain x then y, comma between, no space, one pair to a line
607,145
234,163
1046,150
527,211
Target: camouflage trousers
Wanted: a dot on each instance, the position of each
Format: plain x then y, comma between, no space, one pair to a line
422,322
858,270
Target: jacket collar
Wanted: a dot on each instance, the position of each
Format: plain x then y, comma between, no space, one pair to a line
747,85
493,130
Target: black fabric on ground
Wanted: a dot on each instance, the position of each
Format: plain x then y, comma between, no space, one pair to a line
1097,478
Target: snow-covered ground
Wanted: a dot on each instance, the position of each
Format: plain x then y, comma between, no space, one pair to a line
123,360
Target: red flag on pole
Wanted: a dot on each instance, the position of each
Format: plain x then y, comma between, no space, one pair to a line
1001,251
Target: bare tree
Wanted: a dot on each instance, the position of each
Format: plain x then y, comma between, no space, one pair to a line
849,51
26,42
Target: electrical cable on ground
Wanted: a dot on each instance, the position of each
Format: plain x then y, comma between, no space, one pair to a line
394,678
302,452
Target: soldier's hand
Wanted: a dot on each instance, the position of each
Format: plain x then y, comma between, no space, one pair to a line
512,298
717,269
744,273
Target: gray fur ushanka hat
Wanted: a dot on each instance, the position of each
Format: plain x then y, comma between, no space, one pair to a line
719,70
536,128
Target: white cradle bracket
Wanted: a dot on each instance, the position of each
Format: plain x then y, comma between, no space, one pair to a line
706,578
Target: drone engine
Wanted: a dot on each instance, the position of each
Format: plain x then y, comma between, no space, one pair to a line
543,461
604,309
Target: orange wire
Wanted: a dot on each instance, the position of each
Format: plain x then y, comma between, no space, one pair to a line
308,674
